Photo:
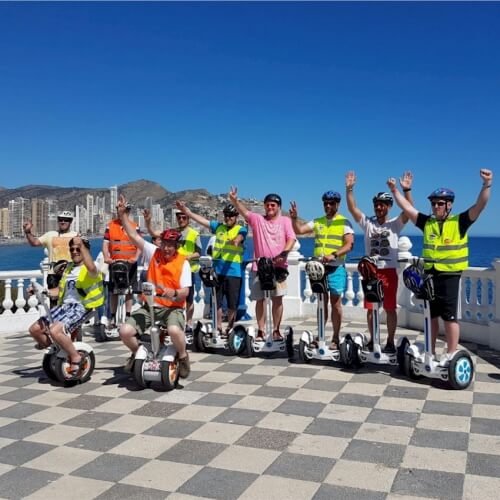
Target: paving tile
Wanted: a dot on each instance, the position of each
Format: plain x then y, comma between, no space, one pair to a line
396,418
348,399
126,491
480,487
328,492
174,428
285,422
20,452
407,392
198,413
389,455
269,439
384,433
483,443
244,459
77,486
192,452
98,440
300,466
21,410
21,482
437,459
486,398
447,423
216,432
485,426
144,446
274,392
91,419
345,413
482,464
220,400
258,403
435,484
279,487
440,439
400,404
20,429
302,408
337,428
85,402
318,445
445,408
240,416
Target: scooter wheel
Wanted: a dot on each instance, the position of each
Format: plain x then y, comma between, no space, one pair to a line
169,374
139,374
461,370
237,340
348,352
249,350
289,343
401,353
198,345
48,365
304,356
63,367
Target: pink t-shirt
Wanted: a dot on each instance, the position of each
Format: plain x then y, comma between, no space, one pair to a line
269,236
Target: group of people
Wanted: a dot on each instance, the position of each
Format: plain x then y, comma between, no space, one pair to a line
172,259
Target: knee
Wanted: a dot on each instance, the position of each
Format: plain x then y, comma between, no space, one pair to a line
175,332
126,331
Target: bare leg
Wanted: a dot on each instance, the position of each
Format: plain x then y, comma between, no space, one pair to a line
452,332
128,337
369,321
336,303
277,312
178,339
392,321
37,331
231,317
63,340
128,303
260,313
434,333
189,314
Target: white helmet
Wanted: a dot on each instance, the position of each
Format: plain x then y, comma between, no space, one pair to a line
65,214
315,270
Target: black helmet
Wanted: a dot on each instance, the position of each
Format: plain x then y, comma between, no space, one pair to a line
273,197
384,198
230,210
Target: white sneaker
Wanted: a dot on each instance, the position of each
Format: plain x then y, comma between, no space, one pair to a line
445,359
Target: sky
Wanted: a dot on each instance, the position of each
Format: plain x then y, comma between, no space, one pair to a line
279,97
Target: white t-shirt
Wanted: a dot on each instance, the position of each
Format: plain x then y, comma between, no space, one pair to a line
148,252
57,244
70,292
382,239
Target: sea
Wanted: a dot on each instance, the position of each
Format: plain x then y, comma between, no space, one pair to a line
483,250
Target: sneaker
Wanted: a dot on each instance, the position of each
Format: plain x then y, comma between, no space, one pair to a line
184,367
445,359
188,329
389,348
129,364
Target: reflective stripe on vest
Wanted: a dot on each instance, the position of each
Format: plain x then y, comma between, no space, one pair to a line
188,247
120,246
329,235
442,243
164,275
92,288
223,249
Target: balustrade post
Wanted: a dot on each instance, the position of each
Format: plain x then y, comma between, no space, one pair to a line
496,282
7,303
20,300
292,301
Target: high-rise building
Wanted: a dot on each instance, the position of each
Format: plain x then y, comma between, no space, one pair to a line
148,202
4,222
52,210
113,199
20,211
39,215
90,213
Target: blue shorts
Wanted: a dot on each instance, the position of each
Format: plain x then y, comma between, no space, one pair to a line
337,279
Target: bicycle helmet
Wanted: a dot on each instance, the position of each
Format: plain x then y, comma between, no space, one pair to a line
230,210
383,198
315,270
418,282
170,235
273,197
65,214
331,196
442,194
367,268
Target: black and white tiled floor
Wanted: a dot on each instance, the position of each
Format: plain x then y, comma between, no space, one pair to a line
254,428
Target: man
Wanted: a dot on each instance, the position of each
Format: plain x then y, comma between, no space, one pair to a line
333,240
273,237
117,245
381,239
228,258
446,243
80,291
170,273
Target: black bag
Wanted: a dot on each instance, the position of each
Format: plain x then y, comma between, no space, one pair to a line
265,272
119,276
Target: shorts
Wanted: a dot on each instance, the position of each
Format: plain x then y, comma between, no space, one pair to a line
190,297
389,278
229,287
257,294
446,304
167,316
71,315
336,278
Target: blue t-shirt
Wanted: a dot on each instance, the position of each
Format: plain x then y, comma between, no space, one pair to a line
225,268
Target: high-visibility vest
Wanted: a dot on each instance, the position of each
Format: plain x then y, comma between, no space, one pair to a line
223,248
165,274
443,243
188,247
329,235
91,290
120,246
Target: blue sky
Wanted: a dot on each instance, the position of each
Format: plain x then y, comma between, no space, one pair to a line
282,97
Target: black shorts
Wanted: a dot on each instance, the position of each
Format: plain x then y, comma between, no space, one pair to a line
229,287
446,289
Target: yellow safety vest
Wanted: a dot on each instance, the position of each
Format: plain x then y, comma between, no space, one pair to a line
223,249
90,289
442,242
329,235
188,247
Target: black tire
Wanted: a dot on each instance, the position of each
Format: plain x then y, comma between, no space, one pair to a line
139,374
408,369
237,340
198,345
401,353
461,370
62,366
249,350
348,352
304,358
100,334
48,365
170,374
289,343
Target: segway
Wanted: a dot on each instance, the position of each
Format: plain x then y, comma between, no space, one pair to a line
206,335
416,360
309,347
56,362
244,340
155,361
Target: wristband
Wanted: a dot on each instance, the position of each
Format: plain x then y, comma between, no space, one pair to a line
283,254
348,190
405,190
486,185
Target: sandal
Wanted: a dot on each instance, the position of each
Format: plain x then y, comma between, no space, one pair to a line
334,345
277,337
79,366
260,335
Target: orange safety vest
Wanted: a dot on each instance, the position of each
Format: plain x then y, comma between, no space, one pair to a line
165,274
120,246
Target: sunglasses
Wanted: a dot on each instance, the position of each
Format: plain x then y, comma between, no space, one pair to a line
74,249
438,203
334,202
181,217
64,220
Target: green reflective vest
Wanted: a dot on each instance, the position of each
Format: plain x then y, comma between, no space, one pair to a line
91,290
188,247
223,249
329,235
442,243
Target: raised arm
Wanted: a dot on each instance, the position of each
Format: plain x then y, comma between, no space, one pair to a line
181,205
405,181
148,219
240,206
299,228
408,209
131,231
32,239
484,194
88,261
350,181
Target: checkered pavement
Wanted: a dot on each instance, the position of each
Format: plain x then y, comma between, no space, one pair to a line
247,428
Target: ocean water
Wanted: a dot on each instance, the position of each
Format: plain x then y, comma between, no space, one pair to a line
483,250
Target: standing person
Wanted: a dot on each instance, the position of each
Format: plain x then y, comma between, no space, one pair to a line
446,243
80,290
333,240
117,245
381,239
273,237
56,243
170,274
228,258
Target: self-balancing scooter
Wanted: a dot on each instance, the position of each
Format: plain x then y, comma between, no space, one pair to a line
417,359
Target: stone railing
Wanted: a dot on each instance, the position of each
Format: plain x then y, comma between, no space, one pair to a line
480,309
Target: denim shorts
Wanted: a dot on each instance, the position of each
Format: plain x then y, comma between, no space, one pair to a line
337,279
